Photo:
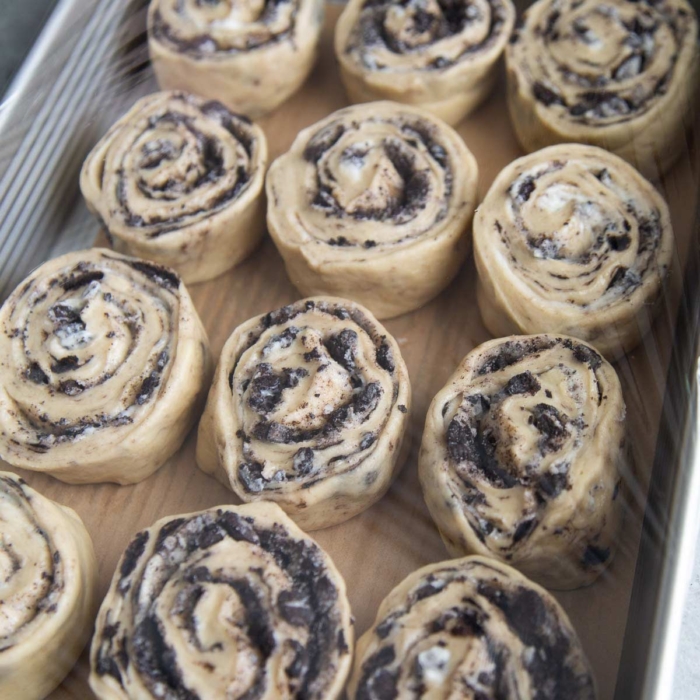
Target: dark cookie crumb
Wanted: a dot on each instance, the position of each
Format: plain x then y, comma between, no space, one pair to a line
524,383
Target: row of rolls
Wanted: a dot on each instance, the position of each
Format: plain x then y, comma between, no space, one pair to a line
616,74
376,203
239,602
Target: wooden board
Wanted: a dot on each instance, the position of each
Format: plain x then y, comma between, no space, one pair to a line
378,548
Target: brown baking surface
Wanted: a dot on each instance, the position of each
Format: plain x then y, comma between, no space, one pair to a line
378,548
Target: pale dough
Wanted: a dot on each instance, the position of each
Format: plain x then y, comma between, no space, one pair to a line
48,590
617,74
373,203
309,408
470,628
250,54
435,54
231,602
523,458
178,180
104,366
573,240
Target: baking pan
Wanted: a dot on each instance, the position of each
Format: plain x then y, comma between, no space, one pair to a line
88,67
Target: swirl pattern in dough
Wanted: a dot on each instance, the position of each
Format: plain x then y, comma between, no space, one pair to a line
612,73
308,409
437,54
103,367
373,204
48,590
178,180
572,240
470,628
249,54
232,602
522,457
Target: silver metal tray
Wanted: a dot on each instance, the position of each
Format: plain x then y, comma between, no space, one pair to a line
88,67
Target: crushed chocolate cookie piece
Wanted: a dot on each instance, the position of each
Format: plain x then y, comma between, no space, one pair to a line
339,241
62,314
367,441
266,387
464,446
81,279
619,243
162,276
513,351
583,353
250,475
546,95
552,424
552,483
523,530
342,348
131,556
294,608
376,682
304,461
65,364
595,556
524,383
322,141
525,189
71,387
385,358
37,375
280,316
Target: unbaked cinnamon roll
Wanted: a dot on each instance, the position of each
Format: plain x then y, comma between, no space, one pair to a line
232,602
522,457
308,409
48,585
470,628
373,204
178,180
613,73
437,54
572,240
103,367
249,54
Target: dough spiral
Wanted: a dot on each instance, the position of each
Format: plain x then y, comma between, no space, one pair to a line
178,180
612,73
373,203
437,54
470,628
48,585
250,54
308,409
572,240
232,602
103,365
522,457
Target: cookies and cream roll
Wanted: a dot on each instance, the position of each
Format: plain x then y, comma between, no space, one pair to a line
470,628
48,586
178,180
522,457
373,203
571,239
231,602
612,73
249,54
437,54
308,409
104,365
